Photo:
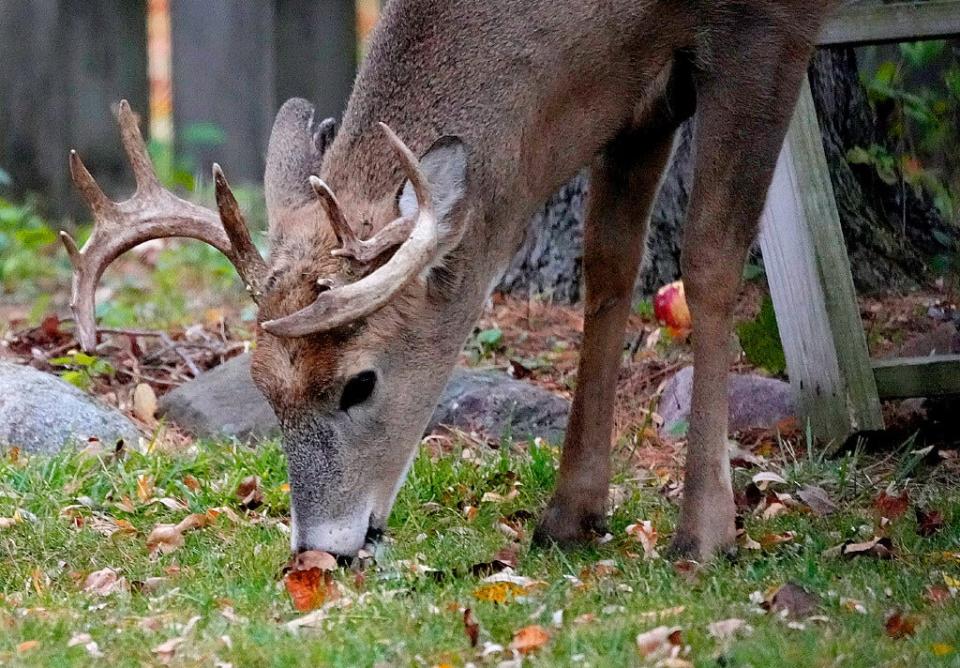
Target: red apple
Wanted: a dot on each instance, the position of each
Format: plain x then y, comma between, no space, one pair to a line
670,308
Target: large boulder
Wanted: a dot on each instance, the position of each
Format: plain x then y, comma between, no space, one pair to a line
755,401
41,413
221,402
225,401
494,404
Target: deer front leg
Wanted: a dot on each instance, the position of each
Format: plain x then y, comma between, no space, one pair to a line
623,185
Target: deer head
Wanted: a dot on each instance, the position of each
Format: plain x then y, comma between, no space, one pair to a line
347,326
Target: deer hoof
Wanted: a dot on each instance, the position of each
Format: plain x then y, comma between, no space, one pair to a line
688,545
566,525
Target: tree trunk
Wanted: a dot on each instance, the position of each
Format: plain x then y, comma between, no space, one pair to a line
889,230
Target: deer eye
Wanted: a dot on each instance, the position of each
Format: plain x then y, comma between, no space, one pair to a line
358,389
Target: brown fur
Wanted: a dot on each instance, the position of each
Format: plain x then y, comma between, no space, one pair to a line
536,90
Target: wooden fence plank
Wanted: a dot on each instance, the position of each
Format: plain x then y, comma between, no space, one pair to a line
812,288
62,65
875,23
918,376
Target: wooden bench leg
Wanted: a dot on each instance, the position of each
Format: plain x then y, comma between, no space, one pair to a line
806,262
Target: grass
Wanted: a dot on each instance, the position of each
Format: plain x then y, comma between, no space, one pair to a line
228,574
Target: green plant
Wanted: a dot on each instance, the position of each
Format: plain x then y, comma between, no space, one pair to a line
760,340
82,370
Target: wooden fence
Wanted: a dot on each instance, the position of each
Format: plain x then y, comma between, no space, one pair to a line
64,62
838,387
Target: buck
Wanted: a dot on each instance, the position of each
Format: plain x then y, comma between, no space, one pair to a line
384,250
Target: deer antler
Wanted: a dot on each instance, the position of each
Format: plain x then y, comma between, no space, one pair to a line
339,306
351,246
151,213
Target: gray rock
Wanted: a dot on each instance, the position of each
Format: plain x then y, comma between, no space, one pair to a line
225,401
221,402
755,401
41,413
492,403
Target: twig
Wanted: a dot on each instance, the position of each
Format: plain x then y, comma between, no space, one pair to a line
184,356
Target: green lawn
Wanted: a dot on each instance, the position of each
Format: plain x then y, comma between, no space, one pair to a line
223,592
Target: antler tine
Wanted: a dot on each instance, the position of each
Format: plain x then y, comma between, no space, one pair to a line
339,306
99,203
151,213
351,246
136,149
411,166
244,254
346,237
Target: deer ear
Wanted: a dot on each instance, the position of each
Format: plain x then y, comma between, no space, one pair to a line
445,166
298,142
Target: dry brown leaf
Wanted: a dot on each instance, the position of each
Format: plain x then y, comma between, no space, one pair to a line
817,500
471,627
728,628
191,483
144,403
166,651
7,522
309,580
880,547
145,487
793,601
899,625
27,646
530,639
929,522
644,533
891,507
105,582
663,641
249,493
166,538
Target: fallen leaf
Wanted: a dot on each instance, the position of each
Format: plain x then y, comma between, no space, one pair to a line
662,641
309,580
817,500
773,510
167,650
929,522
891,507
530,639
938,595
880,547
899,625
493,497
249,493
656,615
644,533
166,538
498,592
88,643
728,628
27,646
144,403
941,649
191,483
765,478
793,601
144,487
505,558
104,582
471,626
7,522
769,540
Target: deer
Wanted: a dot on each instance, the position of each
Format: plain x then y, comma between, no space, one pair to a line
388,233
